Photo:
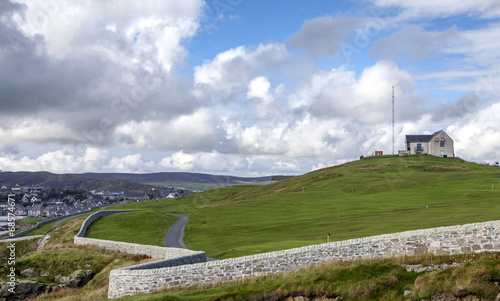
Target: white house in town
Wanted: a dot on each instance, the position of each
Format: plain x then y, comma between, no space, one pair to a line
438,144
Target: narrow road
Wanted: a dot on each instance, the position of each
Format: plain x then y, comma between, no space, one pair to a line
176,233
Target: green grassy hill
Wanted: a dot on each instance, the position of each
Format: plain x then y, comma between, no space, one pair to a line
367,197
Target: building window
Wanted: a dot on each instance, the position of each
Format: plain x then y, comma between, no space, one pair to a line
442,153
408,146
419,147
442,142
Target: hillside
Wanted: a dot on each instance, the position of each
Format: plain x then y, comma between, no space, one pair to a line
126,181
179,179
357,199
67,181
367,197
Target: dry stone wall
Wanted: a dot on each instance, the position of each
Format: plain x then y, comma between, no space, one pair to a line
468,238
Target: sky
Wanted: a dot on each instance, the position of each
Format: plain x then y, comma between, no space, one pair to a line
242,87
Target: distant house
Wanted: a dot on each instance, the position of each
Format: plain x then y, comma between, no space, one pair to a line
35,199
438,144
136,196
35,210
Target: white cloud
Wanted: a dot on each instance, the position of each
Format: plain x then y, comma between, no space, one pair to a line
443,8
130,163
192,132
339,94
477,137
32,130
60,161
231,70
114,29
259,88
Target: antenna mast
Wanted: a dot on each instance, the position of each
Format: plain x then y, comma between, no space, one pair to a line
393,120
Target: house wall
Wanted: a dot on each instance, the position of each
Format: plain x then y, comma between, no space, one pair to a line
413,146
444,240
435,146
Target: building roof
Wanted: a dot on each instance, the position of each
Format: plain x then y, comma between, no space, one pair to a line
420,138
133,194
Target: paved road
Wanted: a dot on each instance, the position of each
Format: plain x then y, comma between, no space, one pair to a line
176,233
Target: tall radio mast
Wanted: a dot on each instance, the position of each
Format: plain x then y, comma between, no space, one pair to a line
393,120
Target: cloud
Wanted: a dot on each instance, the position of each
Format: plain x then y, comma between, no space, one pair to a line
259,88
104,68
323,36
194,132
432,9
339,94
60,161
477,137
155,27
221,78
413,42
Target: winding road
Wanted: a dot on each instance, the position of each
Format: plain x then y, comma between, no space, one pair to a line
176,233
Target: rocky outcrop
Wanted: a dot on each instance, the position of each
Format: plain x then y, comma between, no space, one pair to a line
29,273
25,289
80,278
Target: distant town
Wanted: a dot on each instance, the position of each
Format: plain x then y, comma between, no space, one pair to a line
50,202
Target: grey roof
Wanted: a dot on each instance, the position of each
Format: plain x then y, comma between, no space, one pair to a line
133,194
420,138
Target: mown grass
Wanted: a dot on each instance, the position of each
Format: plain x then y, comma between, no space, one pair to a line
362,198
142,227
30,221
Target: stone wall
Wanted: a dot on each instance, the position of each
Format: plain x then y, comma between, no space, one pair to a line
39,224
9,240
444,240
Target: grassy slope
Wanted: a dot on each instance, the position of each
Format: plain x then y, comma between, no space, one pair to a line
362,198
135,224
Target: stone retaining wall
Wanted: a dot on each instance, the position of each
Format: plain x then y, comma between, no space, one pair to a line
444,240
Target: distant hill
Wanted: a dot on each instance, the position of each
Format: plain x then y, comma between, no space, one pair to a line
179,179
126,181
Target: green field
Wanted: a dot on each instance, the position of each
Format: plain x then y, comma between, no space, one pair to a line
367,197
142,227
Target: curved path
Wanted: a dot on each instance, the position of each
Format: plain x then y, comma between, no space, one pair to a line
176,233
